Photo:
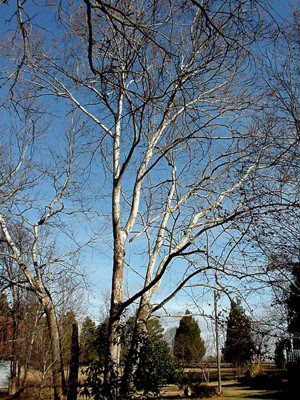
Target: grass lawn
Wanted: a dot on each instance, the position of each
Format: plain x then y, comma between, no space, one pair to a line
231,390
234,391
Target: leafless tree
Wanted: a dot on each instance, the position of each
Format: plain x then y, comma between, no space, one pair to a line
166,92
277,237
29,216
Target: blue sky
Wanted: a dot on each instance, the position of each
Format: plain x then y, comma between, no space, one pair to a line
97,263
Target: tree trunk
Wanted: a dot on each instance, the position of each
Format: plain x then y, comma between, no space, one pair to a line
217,342
112,361
59,384
13,386
14,381
74,365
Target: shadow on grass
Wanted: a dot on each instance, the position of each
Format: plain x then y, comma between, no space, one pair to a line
274,389
276,395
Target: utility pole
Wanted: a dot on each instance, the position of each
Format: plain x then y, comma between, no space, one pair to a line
216,296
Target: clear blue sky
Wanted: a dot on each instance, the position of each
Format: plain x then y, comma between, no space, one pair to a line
97,264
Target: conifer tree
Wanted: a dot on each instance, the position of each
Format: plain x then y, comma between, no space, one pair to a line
88,338
239,344
156,366
189,347
66,326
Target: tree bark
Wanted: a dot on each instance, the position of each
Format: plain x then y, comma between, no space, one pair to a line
112,362
217,342
14,378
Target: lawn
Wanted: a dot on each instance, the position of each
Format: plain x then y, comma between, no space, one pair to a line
235,391
231,389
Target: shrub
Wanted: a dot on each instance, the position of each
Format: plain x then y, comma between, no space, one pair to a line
189,378
203,390
258,369
157,366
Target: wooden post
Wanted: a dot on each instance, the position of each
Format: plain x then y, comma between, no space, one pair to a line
74,365
217,341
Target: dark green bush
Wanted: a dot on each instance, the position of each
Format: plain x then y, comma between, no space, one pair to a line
203,390
189,378
157,366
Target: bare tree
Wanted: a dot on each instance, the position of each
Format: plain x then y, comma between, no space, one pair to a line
277,237
166,94
29,219
171,101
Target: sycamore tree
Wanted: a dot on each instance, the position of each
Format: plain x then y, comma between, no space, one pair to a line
165,93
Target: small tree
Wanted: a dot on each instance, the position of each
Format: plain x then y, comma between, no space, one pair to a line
189,347
88,338
157,365
239,345
101,341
